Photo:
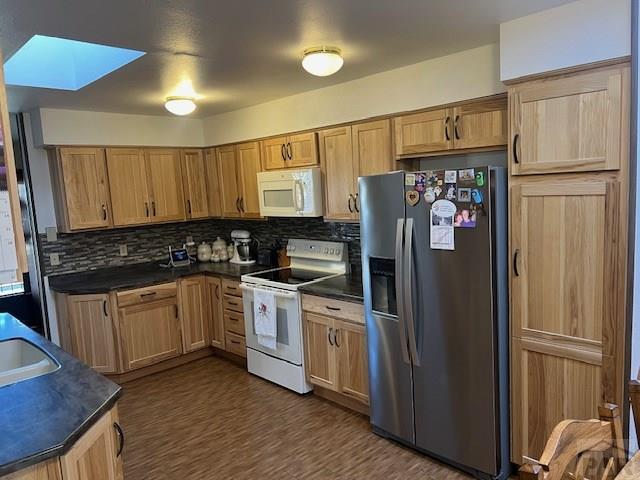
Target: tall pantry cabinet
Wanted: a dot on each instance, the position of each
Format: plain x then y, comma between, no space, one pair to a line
569,182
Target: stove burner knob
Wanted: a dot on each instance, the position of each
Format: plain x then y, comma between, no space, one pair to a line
326,250
332,251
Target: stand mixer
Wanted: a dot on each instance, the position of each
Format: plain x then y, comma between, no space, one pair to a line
243,245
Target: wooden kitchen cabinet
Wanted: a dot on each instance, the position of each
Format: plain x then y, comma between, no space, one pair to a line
566,275
91,330
238,166
233,317
336,160
569,123
216,315
213,183
319,349
97,454
165,185
128,181
347,153
81,188
47,470
195,183
249,165
150,328
336,347
292,151
480,124
194,310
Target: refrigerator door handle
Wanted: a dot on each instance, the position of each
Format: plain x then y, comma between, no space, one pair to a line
399,295
408,290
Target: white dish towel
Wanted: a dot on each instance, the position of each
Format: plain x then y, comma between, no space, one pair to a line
265,315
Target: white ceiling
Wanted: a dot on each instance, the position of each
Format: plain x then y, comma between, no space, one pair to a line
238,53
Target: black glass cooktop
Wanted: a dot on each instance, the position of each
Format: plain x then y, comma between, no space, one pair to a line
292,276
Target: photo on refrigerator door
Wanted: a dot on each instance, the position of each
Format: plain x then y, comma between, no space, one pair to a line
465,218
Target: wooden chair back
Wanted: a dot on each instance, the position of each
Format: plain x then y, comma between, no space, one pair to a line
581,449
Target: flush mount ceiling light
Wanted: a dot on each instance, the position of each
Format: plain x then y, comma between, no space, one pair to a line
180,105
322,61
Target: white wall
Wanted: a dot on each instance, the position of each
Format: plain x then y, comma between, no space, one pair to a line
73,127
460,76
577,33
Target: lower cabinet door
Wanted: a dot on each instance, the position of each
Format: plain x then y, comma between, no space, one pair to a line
91,331
97,454
216,327
351,346
320,351
150,332
194,313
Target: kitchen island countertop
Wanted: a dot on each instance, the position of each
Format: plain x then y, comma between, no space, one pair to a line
42,417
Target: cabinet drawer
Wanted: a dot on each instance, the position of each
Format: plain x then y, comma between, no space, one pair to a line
230,302
352,312
235,344
234,322
231,287
147,294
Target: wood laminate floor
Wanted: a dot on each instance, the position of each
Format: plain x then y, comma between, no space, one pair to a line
212,420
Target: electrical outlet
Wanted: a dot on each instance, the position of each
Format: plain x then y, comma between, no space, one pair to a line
52,234
54,258
123,250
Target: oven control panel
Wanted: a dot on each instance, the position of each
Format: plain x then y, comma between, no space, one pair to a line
317,249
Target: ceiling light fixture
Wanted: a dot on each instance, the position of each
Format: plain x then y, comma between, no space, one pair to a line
180,105
322,61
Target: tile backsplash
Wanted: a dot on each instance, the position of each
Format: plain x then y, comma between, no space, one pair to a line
84,251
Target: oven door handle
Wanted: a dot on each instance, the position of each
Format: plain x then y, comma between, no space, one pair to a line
278,293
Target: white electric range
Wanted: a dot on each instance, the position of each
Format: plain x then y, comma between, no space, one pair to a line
311,261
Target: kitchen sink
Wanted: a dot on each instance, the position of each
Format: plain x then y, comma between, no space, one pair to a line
21,360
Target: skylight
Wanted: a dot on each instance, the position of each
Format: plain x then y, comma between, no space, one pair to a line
52,62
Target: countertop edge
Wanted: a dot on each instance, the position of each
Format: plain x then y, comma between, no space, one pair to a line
61,449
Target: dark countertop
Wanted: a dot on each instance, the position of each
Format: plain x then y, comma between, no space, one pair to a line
42,417
133,276
344,287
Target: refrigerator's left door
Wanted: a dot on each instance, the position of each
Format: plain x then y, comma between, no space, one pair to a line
390,375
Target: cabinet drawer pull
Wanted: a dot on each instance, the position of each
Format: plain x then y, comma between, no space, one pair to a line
120,438
355,202
516,257
335,337
446,128
329,336
232,303
104,308
104,212
282,152
455,127
515,148
335,309
153,208
218,292
189,207
235,341
150,294
289,151
146,209
349,203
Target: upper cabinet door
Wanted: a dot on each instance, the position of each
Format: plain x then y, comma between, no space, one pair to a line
213,182
336,160
195,185
248,155
424,132
274,153
129,188
302,150
229,190
570,123
372,153
85,187
165,185
480,124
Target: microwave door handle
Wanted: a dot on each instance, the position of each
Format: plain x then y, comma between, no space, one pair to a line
399,293
298,198
408,290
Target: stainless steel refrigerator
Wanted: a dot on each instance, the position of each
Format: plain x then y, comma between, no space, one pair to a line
435,296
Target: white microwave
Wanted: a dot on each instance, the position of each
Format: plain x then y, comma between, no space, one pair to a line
291,193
